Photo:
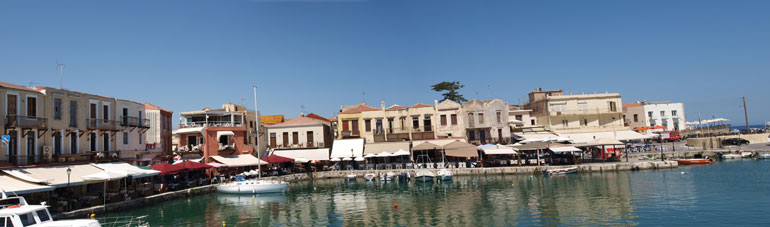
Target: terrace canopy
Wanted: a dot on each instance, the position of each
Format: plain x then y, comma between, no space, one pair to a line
622,135
460,149
347,148
426,146
237,160
55,176
391,147
188,165
128,169
308,154
498,149
166,168
277,159
12,184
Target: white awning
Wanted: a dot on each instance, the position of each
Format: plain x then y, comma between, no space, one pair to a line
564,149
128,169
621,135
347,148
55,176
189,130
225,133
308,154
401,152
499,151
390,147
104,176
238,160
12,184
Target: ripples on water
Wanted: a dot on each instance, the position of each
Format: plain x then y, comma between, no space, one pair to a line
729,193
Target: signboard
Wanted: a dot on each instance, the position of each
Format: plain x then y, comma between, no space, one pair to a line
5,140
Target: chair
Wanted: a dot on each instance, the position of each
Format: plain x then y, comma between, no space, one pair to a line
462,165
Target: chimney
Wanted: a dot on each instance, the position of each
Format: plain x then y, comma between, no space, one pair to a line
382,105
538,89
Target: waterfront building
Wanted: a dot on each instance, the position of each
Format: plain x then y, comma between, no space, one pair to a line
131,140
217,134
451,123
158,136
395,123
520,118
487,121
24,120
349,121
650,114
300,132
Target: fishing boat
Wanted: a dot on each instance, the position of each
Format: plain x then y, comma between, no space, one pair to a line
257,186
424,175
731,156
350,177
15,211
745,154
387,176
764,156
694,161
560,171
444,175
370,176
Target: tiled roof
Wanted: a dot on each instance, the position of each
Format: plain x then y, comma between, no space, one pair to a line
626,105
18,87
316,116
271,119
360,108
299,121
418,105
150,106
396,107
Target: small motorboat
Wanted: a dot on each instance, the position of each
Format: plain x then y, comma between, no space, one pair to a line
370,176
444,175
243,186
404,176
731,156
350,177
560,171
694,161
763,156
388,176
15,211
424,175
745,154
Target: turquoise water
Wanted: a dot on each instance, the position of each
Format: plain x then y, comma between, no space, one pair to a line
725,194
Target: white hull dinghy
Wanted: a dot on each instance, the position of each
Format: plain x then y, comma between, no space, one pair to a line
560,171
424,176
350,177
13,208
764,156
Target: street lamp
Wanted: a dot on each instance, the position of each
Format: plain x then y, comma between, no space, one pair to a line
69,172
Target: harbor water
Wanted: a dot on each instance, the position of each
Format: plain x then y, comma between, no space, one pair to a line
733,193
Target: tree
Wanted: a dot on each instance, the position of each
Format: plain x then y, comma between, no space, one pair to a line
451,91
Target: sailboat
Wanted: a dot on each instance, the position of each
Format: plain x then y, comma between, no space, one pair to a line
241,185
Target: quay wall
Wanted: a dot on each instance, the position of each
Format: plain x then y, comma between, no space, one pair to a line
716,142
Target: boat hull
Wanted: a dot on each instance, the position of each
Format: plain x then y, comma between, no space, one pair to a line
444,178
694,161
424,178
763,156
560,171
252,188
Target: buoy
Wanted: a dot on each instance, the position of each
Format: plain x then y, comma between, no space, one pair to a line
531,177
395,205
511,185
93,216
223,224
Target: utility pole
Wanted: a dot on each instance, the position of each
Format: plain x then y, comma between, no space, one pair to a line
746,114
61,74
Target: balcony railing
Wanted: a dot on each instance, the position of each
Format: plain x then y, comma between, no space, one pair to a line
208,124
129,121
350,133
95,123
300,145
582,112
144,123
13,121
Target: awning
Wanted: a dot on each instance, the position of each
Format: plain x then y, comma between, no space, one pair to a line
166,168
426,146
309,154
128,169
55,176
498,149
188,165
105,176
401,152
621,135
216,165
561,149
531,146
460,149
390,147
348,148
536,137
238,160
197,159
225,133
12,184
189,130
277,159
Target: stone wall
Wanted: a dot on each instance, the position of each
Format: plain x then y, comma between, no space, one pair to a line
716,142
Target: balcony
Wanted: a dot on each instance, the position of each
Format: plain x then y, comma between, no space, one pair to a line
17,121
127,121
582,112
108,125
194,124
350,134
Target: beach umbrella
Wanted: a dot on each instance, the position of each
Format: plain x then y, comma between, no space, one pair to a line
359,159
347,159
190,165
166,168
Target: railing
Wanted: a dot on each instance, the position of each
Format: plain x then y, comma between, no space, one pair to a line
350,133
582,112
96,123
209,124
300,145
129,121
144,123
106,156
13,121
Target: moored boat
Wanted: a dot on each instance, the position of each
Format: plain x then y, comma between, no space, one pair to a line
694,161
444,175
731,156
744,154
764,156
243,186
424,175
560,171
370,176
350,177
404,176
14,209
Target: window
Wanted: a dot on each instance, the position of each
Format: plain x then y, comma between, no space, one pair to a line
558,107
295,138
426,123
285,138
309,135
416,122
27,219
673,113
74,142
532,121
57,142
613,106
636,117
106,113
93,141
124,118
499,117
481,118
368,125
662,114
519,117
378,126
471,121
649,115
443,120
31,107
272,139
73,114
453,119
564,123
355,126
57,109
43,215
125,137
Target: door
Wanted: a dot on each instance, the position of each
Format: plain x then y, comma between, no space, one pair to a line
73,114
124,118
93,141
295,138
13,147
273,140
285,139
106,113
499,134
11,106
92,119
309,138
57,146
30,148
106,141
74,143
31,107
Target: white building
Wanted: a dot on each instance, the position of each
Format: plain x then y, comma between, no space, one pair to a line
648,114
131,142
300,132
487,121
520,118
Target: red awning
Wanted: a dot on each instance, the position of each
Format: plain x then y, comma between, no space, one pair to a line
190,165
166,168
277,159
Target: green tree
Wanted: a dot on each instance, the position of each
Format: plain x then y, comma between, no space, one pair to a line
451,91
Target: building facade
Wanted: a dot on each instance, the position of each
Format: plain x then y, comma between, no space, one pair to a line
486,121
300,132
576,113
649,114
215,132
158,137
520,118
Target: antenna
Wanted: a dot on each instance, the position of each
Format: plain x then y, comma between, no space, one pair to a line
60,67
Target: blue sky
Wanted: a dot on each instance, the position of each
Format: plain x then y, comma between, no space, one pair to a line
186,55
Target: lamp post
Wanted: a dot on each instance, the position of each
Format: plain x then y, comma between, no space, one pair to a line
69,172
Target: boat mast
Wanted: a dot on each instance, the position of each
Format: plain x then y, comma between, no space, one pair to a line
256,130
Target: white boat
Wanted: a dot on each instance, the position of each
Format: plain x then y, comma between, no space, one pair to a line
15,211
387,176
444,175
731,156
744,154
764,156
560,171
404,176
350,177
424,175
242,186
370,176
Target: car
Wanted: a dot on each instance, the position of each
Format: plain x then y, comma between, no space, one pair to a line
735,142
